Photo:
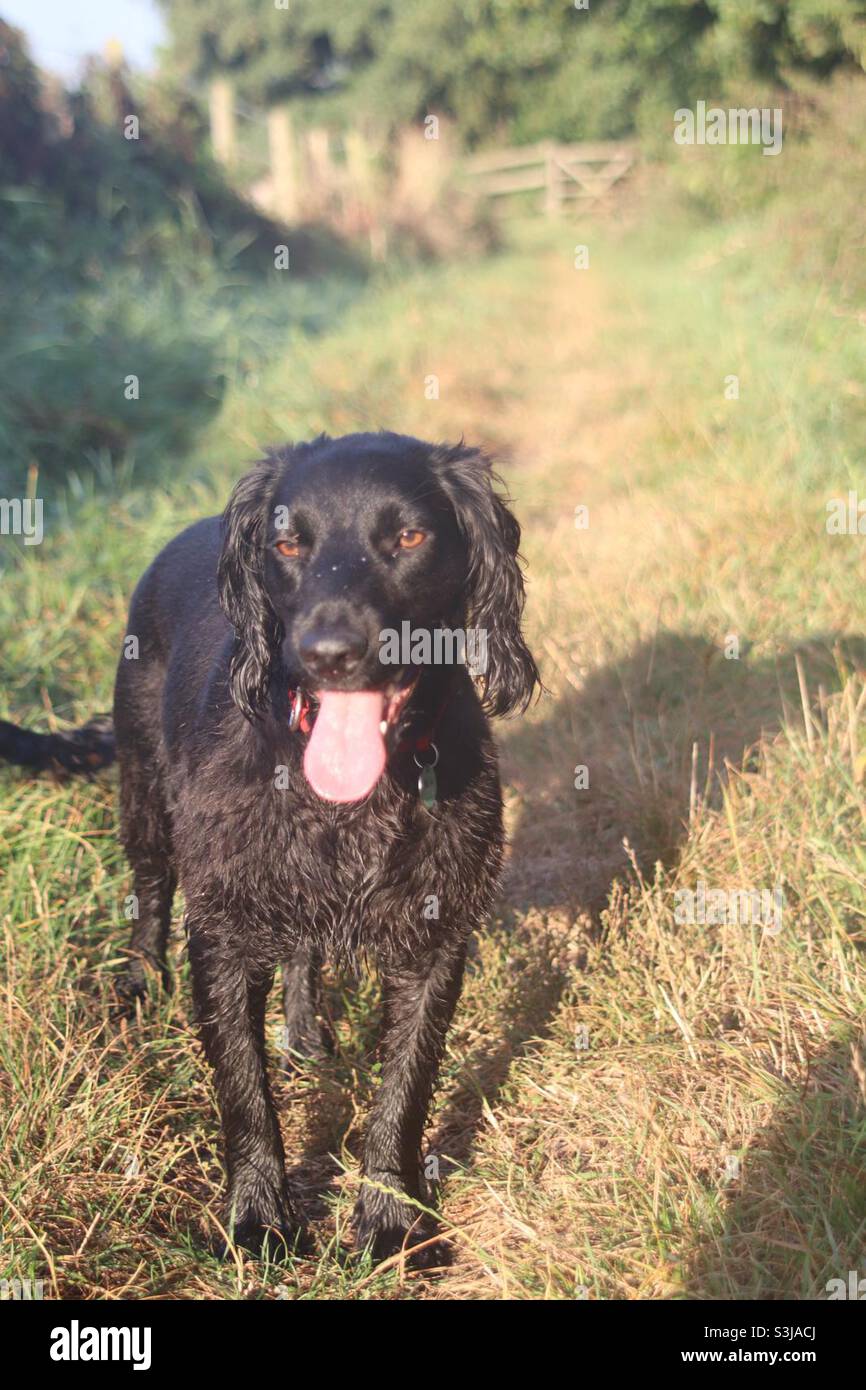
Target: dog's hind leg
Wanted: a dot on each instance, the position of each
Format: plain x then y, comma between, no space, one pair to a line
145,829
305,1036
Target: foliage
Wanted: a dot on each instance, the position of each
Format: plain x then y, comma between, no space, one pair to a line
124,257
522,68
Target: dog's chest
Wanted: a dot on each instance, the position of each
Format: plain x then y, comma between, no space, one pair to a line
387,873
361,881
347,880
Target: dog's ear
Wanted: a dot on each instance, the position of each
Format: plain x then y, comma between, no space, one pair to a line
494,591
244,599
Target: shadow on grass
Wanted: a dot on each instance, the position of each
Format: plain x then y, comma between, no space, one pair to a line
633,726
795,1215
536,980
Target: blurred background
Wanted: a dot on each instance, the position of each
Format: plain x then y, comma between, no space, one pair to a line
155,153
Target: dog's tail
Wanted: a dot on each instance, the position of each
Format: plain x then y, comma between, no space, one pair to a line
83,750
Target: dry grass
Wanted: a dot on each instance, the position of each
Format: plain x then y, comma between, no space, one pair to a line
630,1106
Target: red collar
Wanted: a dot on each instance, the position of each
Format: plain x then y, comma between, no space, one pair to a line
300,709
422,742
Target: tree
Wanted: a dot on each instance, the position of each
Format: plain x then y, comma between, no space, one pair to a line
308,50
518,69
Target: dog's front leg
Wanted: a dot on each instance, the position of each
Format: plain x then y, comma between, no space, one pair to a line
419,1000
231,1013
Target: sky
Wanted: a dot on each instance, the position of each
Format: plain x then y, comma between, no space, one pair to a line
61,33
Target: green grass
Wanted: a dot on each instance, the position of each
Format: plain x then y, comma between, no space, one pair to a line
604,1167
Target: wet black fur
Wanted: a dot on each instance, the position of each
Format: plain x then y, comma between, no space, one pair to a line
272,874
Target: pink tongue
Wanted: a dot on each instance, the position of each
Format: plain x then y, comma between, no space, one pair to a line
345,756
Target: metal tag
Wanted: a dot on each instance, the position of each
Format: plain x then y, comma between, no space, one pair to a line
427,788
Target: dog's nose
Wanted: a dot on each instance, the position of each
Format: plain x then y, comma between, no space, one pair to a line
332,652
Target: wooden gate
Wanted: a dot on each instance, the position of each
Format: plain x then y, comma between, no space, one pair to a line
562,174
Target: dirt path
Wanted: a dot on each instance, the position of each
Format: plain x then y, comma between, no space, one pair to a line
547,403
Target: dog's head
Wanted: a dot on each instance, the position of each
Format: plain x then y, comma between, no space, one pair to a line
336,555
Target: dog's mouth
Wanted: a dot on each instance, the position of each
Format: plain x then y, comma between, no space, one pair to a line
346,753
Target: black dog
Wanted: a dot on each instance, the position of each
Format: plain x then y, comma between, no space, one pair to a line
274,766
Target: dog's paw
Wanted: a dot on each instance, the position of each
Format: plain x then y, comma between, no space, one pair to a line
385,1226
140,980
274,1244
131,983
274,1241
262,1219
313,1044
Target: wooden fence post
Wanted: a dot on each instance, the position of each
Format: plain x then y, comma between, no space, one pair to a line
360,164
222,121
284,170
321,180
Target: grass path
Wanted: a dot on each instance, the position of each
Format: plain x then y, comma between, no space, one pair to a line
631,1106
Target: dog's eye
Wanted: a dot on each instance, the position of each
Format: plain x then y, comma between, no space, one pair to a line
411,538
290,548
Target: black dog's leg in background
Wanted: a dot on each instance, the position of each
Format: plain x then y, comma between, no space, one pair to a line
420,996
231,1014
304,1036
153,885
145,830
